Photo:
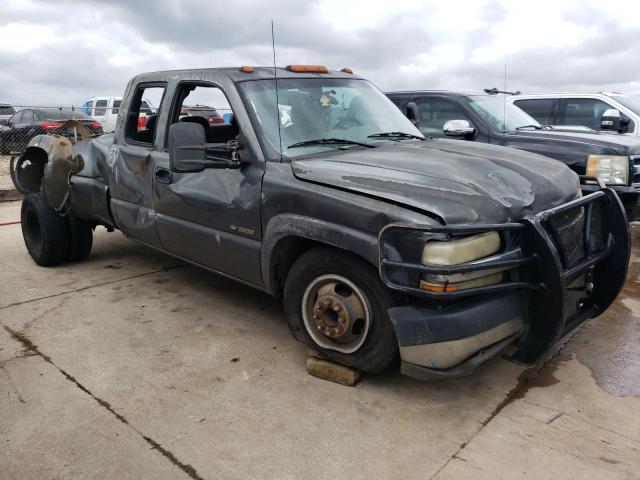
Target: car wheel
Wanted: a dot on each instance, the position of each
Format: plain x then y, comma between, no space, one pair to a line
80,238
45,233
337,305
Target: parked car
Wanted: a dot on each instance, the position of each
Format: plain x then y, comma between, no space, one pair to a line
607,112
6,112
210,114
491,119
31,122
380,241
103,109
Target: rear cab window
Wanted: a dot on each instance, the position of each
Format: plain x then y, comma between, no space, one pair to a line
142,116
539,108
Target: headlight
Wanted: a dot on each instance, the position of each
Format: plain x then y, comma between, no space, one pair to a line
455,252
613,169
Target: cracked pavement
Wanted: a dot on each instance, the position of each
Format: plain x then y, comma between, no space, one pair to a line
134,365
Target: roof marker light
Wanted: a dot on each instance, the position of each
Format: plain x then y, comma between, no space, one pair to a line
307,68
347,70
247,69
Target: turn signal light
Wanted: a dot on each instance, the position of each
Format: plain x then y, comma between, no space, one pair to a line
307,68
437,288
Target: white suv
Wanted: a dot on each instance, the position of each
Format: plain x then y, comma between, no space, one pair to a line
605,111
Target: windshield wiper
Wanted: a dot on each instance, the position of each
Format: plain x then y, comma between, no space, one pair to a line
395,135
537,127
330,141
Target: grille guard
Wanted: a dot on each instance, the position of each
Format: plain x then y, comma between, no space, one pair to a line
539,266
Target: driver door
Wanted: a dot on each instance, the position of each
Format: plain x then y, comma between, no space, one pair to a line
211,217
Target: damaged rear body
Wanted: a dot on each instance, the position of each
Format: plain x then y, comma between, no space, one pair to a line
480,250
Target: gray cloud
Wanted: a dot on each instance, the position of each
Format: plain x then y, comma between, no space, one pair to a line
92,48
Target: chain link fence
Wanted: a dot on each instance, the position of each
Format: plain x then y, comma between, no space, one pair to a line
20,123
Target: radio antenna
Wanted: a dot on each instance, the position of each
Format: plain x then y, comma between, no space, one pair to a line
275,76
504,102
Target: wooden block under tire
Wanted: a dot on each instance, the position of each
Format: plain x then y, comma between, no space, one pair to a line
334,372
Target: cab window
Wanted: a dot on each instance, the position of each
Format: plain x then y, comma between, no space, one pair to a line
101,107
435,112
584,111
540,108
208,106
143,114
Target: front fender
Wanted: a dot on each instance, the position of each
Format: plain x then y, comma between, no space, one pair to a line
290,225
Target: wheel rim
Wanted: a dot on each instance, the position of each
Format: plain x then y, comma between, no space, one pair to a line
32,226
335,313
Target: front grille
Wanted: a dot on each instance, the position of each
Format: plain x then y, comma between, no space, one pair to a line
635,174
568,228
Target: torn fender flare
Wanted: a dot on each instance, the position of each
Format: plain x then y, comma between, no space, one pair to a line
46,165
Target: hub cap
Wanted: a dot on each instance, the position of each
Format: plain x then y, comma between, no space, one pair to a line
335,313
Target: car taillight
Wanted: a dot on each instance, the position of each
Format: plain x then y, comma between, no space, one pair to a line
49,125
142,121
216,121
96,125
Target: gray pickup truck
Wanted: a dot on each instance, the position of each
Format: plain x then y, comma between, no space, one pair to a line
384,244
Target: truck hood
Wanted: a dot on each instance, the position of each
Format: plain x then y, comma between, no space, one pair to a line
459,182
612,143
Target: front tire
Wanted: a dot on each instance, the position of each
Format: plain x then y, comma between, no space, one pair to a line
337,305
45,233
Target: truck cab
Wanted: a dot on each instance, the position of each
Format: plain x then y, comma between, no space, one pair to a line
383,244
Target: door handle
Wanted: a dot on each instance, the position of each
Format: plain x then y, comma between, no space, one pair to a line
163,175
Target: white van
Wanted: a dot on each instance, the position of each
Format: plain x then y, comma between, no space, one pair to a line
104,110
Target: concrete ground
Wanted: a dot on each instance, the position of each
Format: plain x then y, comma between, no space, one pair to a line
135,365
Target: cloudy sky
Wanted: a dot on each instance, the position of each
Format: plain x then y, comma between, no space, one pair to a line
66,51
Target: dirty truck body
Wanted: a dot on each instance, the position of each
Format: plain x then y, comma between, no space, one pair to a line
382,243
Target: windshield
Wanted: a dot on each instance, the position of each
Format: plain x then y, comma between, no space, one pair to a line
502,116
632,102
310,109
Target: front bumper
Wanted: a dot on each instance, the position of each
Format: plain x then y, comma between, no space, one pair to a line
565,265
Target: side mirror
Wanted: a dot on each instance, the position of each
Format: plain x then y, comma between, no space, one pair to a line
187,147
413,113
458,128
190,152
612,119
